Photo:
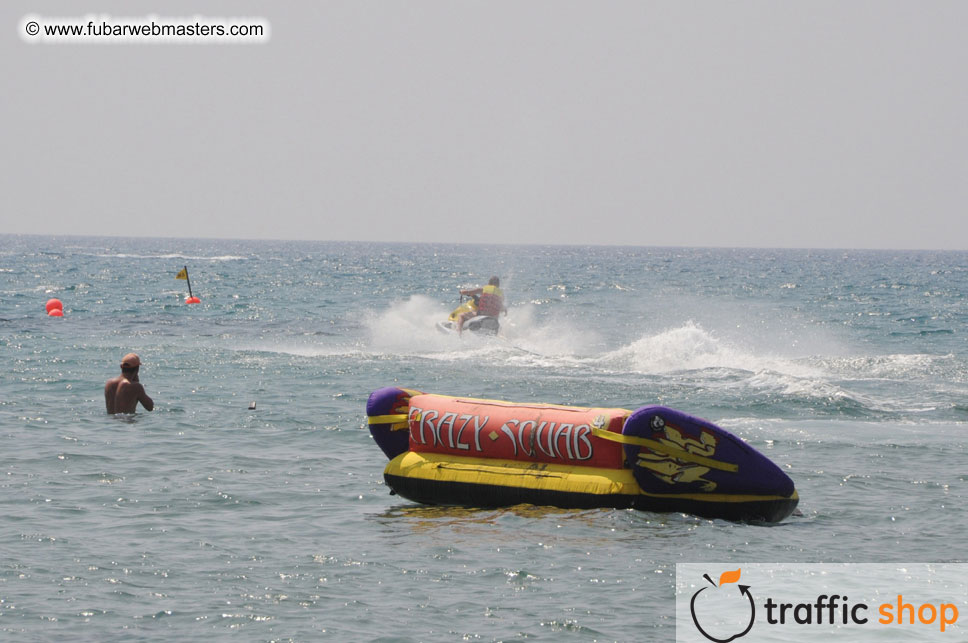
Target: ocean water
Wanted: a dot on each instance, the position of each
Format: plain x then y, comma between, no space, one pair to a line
204,520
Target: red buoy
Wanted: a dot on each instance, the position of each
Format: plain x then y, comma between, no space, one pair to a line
55,312
192,300
54,304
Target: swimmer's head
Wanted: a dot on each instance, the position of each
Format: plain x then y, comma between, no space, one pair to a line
130,362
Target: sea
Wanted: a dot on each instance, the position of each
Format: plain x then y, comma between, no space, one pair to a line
250,504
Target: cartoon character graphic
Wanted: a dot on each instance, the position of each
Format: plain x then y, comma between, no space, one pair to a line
672,470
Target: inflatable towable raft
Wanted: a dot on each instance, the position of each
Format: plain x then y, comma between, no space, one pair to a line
489,453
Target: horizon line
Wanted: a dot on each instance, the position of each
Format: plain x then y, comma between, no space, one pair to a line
496,243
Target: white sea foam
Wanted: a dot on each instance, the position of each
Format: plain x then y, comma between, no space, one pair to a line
297,349
174,255
690,347
552,337
894,366
408,327
791,386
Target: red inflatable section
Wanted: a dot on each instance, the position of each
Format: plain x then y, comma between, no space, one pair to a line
526,432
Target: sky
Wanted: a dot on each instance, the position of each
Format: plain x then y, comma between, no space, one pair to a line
822,124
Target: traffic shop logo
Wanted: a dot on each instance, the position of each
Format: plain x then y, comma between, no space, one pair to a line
726,611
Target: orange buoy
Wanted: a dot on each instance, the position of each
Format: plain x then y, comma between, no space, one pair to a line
55,312
192,300
54,304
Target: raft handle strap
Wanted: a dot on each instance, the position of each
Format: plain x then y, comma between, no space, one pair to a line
398,420
675,452
387,419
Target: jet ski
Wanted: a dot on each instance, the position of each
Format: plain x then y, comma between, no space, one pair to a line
479,324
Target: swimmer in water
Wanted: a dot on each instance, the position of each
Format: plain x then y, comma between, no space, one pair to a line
122,393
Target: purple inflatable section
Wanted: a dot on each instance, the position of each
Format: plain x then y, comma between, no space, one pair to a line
386,401
722,462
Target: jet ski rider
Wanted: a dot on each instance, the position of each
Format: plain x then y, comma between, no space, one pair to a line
490,302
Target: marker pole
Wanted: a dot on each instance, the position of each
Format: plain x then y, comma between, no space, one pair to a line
189,282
